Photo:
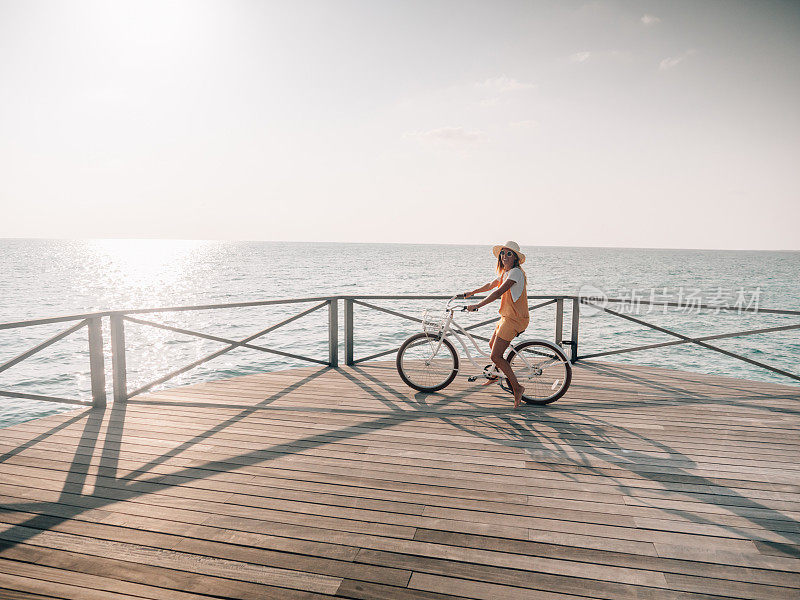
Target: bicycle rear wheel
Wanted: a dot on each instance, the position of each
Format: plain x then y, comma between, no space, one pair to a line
423,367
542,368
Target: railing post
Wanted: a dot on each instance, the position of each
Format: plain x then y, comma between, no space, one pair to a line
333,332
118,367
98,371
576,311
348,331
559,321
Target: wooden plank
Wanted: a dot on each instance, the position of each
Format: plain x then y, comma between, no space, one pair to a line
640,483
481,590
301,421
78,585
170,534
577,579
219,560
165,582
784,572
564,521
389,439
663,476
8,594
372,591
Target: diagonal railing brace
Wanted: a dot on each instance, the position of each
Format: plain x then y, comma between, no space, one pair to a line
232,344
695,341
42,346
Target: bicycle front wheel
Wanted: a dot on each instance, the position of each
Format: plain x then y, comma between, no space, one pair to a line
426,365
542,368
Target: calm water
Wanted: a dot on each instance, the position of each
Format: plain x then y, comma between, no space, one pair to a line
43,278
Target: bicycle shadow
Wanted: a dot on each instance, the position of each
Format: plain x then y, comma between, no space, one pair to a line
571,442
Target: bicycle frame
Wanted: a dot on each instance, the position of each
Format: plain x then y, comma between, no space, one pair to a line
455,330
456,333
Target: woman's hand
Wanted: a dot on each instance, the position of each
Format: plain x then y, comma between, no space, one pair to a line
471,307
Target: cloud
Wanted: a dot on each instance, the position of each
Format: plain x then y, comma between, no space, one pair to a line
649,20
448,134
504,84
580,57
673,61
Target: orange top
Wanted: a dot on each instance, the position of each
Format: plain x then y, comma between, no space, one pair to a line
514,309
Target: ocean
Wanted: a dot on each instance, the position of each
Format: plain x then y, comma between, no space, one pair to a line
46,278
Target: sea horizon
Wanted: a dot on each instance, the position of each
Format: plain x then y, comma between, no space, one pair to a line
393,243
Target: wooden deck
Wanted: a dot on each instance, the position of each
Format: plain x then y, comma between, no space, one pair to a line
315,483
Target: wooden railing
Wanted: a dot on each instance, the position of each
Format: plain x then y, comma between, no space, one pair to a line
117,319
92,321
119,354
699,341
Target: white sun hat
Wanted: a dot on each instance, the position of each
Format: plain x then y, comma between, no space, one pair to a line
511,246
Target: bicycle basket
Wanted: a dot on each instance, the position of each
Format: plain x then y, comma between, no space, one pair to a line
432,322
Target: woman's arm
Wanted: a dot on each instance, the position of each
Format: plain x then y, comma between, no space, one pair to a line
493,296
483,288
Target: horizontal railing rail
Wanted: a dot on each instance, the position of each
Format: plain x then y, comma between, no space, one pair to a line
93,321
51,320
698,305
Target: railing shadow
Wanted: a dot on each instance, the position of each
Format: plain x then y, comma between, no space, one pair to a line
111,486
43,436
519,430
72,501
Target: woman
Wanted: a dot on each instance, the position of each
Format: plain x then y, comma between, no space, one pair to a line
514,316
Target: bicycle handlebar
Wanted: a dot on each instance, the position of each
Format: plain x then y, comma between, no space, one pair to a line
456,308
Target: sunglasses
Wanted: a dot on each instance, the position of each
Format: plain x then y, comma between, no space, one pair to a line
507,253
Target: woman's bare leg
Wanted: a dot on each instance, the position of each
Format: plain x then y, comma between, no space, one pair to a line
498,350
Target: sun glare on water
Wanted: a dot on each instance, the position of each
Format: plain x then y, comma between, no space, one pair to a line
143,264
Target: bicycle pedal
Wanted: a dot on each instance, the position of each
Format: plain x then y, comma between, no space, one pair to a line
472,378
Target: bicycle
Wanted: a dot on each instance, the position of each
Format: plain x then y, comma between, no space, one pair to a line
428,361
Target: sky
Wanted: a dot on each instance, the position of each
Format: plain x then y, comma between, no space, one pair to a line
627,124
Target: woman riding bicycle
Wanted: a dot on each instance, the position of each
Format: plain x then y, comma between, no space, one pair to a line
511,285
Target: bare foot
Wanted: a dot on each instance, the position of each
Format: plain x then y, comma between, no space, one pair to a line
518,396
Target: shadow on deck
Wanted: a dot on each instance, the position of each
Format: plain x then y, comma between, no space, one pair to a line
312,483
